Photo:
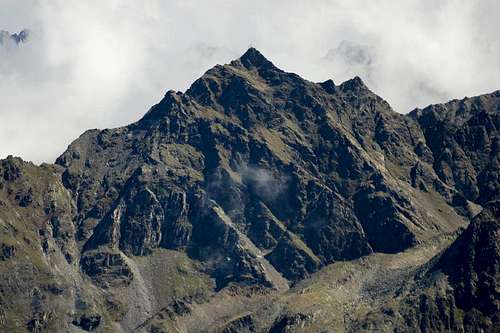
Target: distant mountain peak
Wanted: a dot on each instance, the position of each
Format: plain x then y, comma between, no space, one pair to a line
253,58
356,83
17,38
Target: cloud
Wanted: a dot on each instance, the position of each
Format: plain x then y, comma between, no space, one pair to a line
353,59
222,189
98,63
264,183
352,53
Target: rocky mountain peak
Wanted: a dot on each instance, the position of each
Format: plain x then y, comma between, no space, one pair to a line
355,84
252,58
17,38
255,180
329,86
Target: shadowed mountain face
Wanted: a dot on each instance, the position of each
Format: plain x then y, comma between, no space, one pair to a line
254,181
465,143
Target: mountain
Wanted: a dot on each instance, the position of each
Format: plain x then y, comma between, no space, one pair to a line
257,201
16,38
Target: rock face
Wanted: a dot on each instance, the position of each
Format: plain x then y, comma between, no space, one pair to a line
472,264
465,143
245,185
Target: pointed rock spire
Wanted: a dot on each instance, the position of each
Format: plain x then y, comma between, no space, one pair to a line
354,84
253,58
329,86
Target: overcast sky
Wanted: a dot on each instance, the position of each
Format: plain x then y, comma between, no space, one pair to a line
98,63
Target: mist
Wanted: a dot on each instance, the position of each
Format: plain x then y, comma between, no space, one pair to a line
98,64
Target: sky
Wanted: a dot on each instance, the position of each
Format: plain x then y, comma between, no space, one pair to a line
103,63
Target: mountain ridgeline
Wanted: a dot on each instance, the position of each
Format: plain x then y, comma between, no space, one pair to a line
257,201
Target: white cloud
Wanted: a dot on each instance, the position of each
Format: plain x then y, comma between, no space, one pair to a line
102,63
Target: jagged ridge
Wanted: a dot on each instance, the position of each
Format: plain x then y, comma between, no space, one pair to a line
250,181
